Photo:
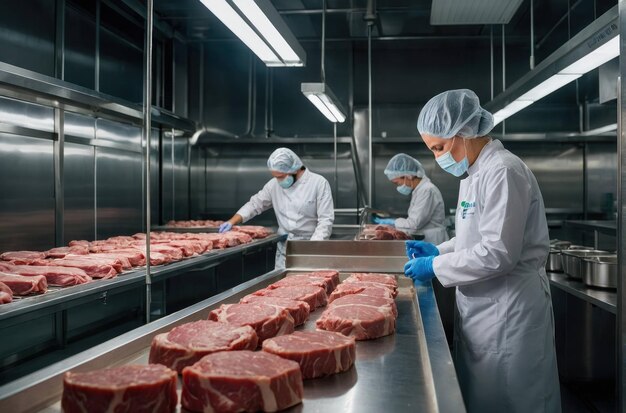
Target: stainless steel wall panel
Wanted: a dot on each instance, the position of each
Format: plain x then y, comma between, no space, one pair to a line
27,187
197,201
79,192
181,74
120,68
27,34
601,178
118,132
27,115
80,126
181,179
155,183
80,47
119,197
167,179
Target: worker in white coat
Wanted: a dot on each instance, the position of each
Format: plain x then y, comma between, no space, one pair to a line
302,201
426,212
504,339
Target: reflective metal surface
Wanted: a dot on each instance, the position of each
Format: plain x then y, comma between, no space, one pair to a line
600,271
79,192
410,370
27,207
118,198
621,217
605,299
572,261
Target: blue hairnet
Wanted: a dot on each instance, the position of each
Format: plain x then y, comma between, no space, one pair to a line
454,113
404,165
284,160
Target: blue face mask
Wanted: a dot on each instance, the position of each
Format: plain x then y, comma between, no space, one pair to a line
286,182
404,189
448,164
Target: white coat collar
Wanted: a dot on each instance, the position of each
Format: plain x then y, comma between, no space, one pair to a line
303,179
423,181
484,155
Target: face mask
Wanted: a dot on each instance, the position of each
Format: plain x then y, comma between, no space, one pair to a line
404,189
287,182
448,164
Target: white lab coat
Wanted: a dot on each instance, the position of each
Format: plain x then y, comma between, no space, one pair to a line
304,211
504,339
426,213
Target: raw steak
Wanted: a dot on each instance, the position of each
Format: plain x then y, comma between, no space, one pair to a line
241,381
306,279
357,299
361,321
58,276
124,389
194,223
374,278
61,252
22,257
188,343
299,310
173,253
332,274
21,285
319,353
268,321
135,257
94,268
358,288
394,291
156,258
76,243
255,232
310,294
119,262
6,295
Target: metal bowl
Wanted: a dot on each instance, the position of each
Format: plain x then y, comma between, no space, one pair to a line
559,245
572,261
600,271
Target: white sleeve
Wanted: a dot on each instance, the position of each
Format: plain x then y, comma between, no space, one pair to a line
257,204
447,246
325,212
420,212
502,223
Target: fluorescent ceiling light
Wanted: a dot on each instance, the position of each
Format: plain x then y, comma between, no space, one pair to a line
324,100
272,41
240,28
597,58
255,15
548,86
510,109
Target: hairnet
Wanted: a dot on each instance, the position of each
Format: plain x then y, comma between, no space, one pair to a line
284,160
454,113
404,165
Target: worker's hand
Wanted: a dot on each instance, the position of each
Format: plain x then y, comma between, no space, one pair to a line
225,227
420,269
416,249
384,221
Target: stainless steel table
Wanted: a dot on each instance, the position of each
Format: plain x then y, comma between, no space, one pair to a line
409,371
603,298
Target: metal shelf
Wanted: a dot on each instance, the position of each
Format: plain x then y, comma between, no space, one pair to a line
605,299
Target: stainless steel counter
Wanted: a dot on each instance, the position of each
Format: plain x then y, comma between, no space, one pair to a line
409,371
603,298
60,296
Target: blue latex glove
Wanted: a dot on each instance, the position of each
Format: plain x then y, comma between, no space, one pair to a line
384,221
416,249
225,227
420,269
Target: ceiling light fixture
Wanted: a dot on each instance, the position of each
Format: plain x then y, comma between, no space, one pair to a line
272,41
319,93
591,48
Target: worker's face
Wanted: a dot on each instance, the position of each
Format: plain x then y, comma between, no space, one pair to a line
402,180
279,175
440,146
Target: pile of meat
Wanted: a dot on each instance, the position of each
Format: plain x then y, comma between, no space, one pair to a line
222,371
31,272
365,311
382,233
194,223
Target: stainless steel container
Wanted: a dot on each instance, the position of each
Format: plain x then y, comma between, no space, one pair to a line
600,271
554,262
572,260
